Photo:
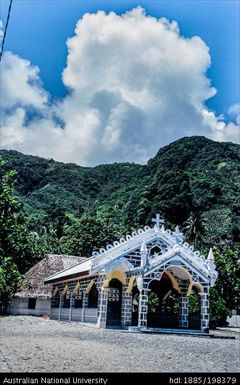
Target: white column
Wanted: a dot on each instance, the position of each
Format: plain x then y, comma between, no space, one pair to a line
103,300
143,308
205,310
84,305
183,311
126,313
60,307
70,307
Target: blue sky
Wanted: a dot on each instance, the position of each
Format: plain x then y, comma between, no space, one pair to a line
39,29
38,32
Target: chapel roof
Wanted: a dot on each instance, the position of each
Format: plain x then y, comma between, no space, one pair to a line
103,258
33,284
82,267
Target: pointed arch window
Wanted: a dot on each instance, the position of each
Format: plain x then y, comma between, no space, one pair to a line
93,297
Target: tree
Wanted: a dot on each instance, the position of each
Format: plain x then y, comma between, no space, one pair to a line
15,237
153,303
10,278
85,235
219,309
113,218
193,227
227,289
194,303
11,226
18,248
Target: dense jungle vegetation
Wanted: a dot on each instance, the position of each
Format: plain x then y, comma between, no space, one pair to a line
52,207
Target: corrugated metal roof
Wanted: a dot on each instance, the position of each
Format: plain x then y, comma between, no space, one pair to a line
77,269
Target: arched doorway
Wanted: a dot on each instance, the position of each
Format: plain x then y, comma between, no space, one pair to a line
194,307
66,300
135,305
93,297
114,304
163,307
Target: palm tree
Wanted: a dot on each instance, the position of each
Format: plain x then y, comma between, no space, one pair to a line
194,227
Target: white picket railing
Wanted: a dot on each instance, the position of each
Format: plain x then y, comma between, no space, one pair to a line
88,315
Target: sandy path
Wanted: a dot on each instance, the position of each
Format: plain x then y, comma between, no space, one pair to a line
36,344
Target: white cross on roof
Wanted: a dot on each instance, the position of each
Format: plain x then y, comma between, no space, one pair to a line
158,220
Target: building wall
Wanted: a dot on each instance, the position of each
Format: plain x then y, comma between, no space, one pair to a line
85,313
234,321
65,295
77,315
19,306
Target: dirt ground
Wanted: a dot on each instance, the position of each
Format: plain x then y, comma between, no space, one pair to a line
31,344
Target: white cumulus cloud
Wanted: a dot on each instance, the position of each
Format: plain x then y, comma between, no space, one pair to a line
234,112
21,85
135,84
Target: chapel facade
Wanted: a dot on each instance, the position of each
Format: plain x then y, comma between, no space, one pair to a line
133,281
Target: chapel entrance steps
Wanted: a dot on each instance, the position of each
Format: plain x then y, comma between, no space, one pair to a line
180,332
171,321
190,332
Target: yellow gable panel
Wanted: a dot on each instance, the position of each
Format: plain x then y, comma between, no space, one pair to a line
197,286
55,291
76,288
65,290
114,274
131,284
90,285
173,280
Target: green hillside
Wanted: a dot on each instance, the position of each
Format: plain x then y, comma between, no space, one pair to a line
192,179
46,185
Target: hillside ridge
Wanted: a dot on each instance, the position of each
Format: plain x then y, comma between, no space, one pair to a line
193,176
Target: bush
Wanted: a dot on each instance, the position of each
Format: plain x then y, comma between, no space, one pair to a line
219,310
